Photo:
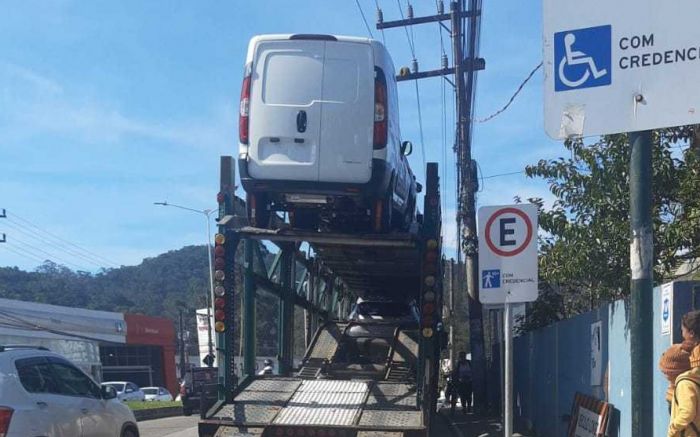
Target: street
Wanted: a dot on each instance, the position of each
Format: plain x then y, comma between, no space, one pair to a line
180,426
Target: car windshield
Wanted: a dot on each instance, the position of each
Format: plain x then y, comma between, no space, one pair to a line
150,391
383,309
119,387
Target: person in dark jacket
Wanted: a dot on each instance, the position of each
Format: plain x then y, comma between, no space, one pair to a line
462,379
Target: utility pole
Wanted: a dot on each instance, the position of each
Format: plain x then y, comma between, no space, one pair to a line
642,265
183,369
467,199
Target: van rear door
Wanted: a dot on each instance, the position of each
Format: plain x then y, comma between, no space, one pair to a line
285,109
347,117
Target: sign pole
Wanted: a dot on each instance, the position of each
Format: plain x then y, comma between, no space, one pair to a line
508,398
641,287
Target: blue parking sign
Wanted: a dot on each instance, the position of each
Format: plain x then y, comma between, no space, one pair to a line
491,279
583,58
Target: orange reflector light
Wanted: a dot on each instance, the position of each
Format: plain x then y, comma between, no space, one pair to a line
219,239
427,332
432,244
219,327
219,275
219,290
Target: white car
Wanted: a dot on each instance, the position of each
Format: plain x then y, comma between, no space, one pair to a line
319,134
44,394
157,394
126,391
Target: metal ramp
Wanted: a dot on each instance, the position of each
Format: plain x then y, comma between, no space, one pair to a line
404,355
322,350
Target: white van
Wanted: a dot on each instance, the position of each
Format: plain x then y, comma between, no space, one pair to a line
319,134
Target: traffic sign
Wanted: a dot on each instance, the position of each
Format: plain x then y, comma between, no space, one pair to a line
508,254
666,308
620,66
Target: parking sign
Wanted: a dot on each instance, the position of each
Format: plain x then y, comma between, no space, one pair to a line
507,254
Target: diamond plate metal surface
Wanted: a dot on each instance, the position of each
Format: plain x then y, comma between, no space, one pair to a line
327,343
406,349
268,397
392,389
247,413
287,385
391,419
321,402
379,434
391,403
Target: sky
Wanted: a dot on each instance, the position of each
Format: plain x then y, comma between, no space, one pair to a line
107,107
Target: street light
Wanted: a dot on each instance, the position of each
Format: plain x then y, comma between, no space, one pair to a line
210,296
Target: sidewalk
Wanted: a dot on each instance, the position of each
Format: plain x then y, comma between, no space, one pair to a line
470,425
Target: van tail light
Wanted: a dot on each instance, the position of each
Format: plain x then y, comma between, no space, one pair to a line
380,110
5,417
244,110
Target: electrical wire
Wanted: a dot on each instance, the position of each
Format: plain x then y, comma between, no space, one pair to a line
357,2
17,227
64,241
512,98
405,28
420,125
24,324
16,252
37,252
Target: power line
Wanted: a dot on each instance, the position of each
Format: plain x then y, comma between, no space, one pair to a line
420,125
379,12
503,174
357,2
512,98
64,241
408,37
16,252
37,252
16,226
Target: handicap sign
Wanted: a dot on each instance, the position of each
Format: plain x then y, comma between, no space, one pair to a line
666,308
491,279
583,58
666,312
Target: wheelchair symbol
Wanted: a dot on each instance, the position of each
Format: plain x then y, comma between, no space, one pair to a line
575,57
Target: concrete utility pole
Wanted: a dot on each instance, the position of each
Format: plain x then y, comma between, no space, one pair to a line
467,208
183,368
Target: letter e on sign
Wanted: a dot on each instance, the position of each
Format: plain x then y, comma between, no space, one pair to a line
508,254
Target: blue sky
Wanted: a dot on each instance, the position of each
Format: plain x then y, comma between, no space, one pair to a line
107,107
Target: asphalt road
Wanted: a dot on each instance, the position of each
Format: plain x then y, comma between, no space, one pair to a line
179,426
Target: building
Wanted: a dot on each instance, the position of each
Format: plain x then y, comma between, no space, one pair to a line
107,345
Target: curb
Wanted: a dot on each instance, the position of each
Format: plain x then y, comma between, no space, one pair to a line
157,413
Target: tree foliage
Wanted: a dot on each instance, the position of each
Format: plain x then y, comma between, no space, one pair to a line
584,239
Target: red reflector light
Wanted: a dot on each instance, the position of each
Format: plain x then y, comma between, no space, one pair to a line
219,302
428,309
219,251
220,198
244,110
219,263
5,417
219,315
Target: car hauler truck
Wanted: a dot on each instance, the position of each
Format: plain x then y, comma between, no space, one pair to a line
357,378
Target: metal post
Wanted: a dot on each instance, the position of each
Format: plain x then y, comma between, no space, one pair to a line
210,295
641,287
249,293
508,392
286,312
182,346
452,311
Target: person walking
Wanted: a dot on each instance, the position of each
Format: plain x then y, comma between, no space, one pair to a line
685,417
676,359
462,380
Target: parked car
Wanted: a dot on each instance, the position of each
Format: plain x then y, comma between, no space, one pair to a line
193,388
157,394
319,134
378,310
126,391
42,393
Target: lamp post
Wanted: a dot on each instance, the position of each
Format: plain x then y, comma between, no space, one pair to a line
210,295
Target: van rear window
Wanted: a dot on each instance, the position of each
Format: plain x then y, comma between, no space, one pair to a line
292,78
340,80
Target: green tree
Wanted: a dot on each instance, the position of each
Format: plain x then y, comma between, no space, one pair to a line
584,244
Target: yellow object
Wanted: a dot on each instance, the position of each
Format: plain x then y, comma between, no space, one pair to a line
685,408
219,239
219,327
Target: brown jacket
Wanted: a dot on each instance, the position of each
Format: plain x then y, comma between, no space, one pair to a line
675,361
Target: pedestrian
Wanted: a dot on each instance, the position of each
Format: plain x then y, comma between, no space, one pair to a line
269,367
676,359
685,418
462,379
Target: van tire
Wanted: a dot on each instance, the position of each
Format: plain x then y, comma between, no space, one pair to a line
261,217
